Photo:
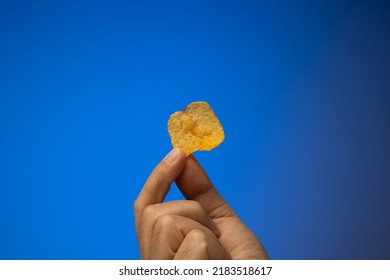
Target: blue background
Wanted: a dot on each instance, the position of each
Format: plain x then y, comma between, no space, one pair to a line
301,87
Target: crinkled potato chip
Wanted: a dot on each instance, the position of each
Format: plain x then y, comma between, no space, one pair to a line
195,128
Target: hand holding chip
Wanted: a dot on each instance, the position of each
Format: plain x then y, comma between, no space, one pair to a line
203,226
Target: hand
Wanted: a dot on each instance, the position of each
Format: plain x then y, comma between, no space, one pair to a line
203,226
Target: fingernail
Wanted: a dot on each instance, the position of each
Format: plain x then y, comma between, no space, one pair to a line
172,156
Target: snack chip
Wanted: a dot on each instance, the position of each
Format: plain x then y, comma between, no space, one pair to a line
195,128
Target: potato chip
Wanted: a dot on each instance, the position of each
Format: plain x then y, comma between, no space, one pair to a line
195,128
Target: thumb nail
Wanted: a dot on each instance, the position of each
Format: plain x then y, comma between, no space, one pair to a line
172,156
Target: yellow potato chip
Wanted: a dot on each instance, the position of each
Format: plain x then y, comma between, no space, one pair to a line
195,128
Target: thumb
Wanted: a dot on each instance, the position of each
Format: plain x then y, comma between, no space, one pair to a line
194,184
158,184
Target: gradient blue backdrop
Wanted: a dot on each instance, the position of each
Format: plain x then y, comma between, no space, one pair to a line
301,87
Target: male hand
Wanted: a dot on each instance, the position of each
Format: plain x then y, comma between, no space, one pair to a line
201,227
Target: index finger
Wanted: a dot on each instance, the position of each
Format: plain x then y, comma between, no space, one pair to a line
158,184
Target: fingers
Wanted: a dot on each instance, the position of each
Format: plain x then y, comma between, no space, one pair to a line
197,245
194,183
159,181
153,214
185,229
169,233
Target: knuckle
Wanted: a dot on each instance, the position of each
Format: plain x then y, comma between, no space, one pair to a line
197,236
150,212
166,221
163,224
195,206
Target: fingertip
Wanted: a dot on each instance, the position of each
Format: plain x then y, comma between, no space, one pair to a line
174,163
159,181
182,154
174,156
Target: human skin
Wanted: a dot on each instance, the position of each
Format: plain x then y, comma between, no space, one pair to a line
201,227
